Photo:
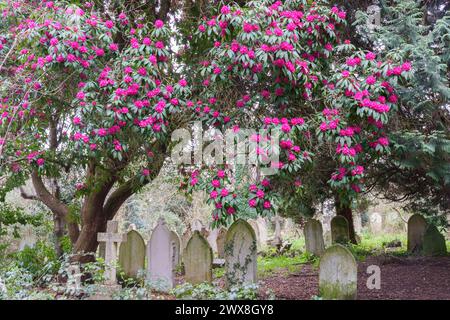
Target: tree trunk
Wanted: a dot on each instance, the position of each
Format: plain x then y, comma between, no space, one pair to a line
58,233
343,209
86,245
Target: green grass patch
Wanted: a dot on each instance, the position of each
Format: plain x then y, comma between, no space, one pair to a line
289,263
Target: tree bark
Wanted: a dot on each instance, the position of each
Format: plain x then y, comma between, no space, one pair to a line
343,209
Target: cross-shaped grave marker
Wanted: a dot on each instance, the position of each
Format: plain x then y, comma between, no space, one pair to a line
111,238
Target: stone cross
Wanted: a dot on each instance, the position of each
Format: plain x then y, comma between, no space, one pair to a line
111,238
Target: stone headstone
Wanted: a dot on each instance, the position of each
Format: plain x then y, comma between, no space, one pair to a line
221,238
338,274
132,254
376,223
314,237
417,226
159,257
262,227
198,259
339,230
434,242
176,247
111,238
240,254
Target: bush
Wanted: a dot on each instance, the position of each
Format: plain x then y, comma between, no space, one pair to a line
206,291
39,261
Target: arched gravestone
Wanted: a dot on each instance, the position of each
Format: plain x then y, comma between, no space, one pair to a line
240,254
198,258
176,247
434,242
159,257
314,237
338,274
132,254
339,230
221,238
417,225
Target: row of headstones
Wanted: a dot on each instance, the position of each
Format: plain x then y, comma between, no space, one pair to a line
423,238
338,270
163,255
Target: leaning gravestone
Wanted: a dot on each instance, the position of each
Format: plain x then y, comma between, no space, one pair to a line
175,244
240,254
159,257
132,254
434,242
314,237
198,258
338,274
221,238
417,226
339,230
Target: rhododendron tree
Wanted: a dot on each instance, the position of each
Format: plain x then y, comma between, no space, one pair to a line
283,66
101,95
89,94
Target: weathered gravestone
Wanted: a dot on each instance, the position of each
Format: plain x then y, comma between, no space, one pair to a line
175,247
240,254
338,274
262,227
111,238
314,237
417,225
132,254
221,238
339,230
434,242
198,258
376,223
159,257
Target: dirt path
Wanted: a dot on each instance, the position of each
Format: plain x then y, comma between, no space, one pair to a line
401,278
